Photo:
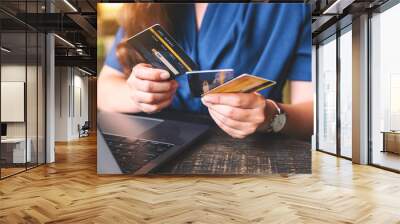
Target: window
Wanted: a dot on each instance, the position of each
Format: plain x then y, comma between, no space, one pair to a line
327,96
22,78
346,92
15,146
385,88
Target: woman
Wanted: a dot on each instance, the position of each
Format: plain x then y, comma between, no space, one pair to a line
268,40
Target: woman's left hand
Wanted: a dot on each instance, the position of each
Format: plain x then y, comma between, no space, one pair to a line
238,114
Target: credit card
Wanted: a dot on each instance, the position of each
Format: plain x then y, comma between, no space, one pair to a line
160,50
243,84
201,82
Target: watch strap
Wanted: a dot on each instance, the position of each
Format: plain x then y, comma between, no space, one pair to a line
267,127
270,127
277,108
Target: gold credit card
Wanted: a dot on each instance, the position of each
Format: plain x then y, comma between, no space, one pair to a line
243,84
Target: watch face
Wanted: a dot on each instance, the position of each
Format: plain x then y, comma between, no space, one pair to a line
279,122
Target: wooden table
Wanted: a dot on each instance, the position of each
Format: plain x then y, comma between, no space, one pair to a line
219,154
391,141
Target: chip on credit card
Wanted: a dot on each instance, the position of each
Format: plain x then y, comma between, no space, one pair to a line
224,81
160,50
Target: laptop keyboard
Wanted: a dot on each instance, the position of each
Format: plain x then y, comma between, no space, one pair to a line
132,154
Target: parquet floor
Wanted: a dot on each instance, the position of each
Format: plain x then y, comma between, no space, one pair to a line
70,191
10,171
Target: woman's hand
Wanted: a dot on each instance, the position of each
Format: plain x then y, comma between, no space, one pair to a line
238,114
150,88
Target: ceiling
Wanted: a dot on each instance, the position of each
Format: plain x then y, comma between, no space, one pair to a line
76,22
330,15
72,20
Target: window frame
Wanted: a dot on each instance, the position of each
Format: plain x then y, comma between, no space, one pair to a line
333,37
29,29
378,10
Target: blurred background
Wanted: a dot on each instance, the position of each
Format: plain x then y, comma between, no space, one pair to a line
107,26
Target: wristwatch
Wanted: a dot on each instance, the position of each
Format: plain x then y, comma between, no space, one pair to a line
278,121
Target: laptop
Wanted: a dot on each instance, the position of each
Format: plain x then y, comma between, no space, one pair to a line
138,145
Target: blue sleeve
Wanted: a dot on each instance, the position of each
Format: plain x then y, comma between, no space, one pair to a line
111,59
301,66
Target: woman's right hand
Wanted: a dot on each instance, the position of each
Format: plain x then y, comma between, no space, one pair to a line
151,89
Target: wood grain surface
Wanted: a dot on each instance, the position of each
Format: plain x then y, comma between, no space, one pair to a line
259,154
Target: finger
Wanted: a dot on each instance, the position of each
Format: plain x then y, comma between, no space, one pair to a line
145,65
152,74
152,108
242,100
151,98
232,132
152,86
228,130
244,115
244,127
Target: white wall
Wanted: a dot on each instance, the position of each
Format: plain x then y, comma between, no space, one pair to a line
33,126
81,101
12,73
62,81
71,94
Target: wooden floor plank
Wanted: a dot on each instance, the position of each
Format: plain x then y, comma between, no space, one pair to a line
70,191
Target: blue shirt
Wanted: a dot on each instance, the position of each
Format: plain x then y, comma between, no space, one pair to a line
268,40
